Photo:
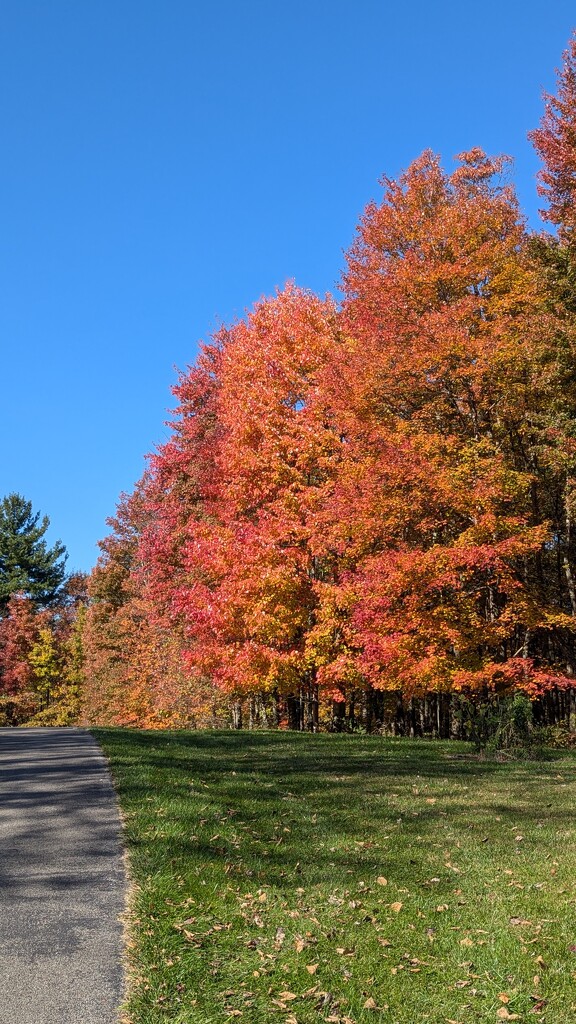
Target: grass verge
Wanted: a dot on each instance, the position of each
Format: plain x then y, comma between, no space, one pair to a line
299,879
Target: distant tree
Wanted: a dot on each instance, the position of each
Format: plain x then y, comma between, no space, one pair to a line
46,663
27,565
555,143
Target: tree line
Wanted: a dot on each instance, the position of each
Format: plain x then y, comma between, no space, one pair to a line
365,512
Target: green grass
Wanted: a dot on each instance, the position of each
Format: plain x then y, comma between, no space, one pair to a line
295,878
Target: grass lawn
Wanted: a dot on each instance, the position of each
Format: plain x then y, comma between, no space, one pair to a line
298,879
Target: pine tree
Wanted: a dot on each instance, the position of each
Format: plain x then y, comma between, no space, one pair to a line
27,565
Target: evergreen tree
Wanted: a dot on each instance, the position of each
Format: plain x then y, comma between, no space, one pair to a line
27,565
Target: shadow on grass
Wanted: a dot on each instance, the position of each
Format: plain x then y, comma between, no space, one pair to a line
275,799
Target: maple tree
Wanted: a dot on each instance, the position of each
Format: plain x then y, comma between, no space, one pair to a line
132,668
19,631
439,290
368,506
555,142
252,596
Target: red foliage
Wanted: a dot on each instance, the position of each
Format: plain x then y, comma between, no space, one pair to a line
373,497
19,631
555,142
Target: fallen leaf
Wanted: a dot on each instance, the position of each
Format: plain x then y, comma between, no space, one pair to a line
504,1014
311,968
287,996
466,942
381,880
370,1004
396,907
503,997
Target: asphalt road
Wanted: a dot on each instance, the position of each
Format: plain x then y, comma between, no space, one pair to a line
62,881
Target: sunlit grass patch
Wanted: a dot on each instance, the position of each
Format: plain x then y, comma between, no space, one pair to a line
296,878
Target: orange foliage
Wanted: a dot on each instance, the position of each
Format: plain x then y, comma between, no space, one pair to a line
378,496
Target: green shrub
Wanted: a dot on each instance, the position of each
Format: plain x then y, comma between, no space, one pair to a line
497,723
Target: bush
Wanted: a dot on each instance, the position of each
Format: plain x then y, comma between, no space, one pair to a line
559,737
497,723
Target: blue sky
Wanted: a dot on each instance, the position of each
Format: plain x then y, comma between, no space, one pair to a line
166,164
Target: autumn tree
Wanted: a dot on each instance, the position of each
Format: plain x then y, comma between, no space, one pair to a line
19,631
131,662
555,143
248,598
45,662
371,505
433,513
554,257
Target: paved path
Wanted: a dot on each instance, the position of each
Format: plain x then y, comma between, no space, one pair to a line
62,882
